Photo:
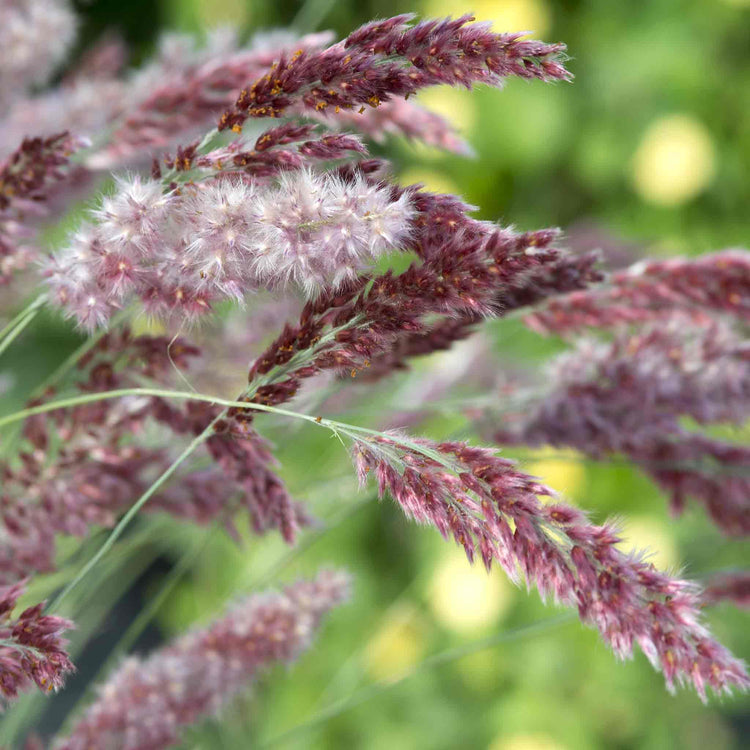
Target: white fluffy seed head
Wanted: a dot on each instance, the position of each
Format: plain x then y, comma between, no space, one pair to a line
132,218
218,235
316,230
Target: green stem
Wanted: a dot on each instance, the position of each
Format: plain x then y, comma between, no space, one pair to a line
336,427
144,617
89,398
17,326
69,363
133,511
350,430
17,331
32,306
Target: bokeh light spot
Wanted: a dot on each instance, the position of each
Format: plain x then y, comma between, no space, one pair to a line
464,598
431,179
535,741
397,645
506,15
652,535
563,471
674,162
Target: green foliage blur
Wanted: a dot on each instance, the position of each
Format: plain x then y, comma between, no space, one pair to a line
648,150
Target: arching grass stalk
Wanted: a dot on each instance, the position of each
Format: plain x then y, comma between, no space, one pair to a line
20,322
66,366
32,306
88,398
145,616
132,512
337,428
472,495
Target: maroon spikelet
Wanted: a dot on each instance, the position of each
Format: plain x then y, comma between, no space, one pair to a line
653,290
31,646
25,178
463,278
386,59
494,511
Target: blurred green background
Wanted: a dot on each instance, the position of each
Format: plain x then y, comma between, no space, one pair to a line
648,150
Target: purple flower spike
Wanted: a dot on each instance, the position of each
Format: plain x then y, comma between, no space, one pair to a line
147,703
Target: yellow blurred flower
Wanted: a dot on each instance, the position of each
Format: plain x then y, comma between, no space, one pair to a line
560,470
431,179
536,741
397,646
506,15
458,106
210,13
674,162
644,532
479,671
143,325
464,598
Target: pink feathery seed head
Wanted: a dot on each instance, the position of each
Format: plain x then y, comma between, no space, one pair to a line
631,395
491,509
81,282
32,648
148,702
219,235
653,290
224,238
